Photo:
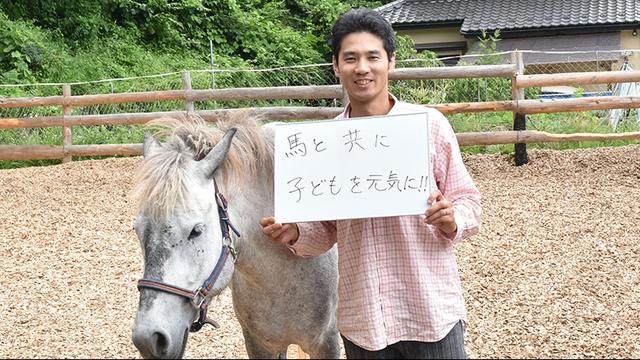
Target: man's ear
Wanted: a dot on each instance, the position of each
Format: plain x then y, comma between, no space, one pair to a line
392,61
336,69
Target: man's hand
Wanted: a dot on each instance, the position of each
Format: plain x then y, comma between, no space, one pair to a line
279,233
440,214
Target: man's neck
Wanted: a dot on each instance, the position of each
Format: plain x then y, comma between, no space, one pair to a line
373,108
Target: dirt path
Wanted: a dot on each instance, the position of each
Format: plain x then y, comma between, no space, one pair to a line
555,271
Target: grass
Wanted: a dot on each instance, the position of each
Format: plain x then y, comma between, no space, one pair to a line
558,123
82,135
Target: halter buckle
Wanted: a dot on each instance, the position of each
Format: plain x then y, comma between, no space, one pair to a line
198,298
232,249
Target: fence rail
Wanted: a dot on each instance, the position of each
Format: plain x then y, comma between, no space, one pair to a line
273,93
518,105
306,113
44,152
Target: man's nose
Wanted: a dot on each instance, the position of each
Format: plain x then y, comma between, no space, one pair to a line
362,67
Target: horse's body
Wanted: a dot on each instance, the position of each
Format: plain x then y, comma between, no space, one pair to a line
279,298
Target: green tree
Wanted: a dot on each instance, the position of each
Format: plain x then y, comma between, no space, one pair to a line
77,21
70,40
27,53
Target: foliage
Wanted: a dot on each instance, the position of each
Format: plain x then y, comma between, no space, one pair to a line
406,49
58,41
416,91
76,21
26,53
488,44
487,89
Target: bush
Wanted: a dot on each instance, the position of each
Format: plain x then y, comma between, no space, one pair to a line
27,53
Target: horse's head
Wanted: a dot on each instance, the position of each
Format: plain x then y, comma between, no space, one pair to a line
187,257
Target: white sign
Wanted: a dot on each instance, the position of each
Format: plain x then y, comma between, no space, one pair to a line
352,168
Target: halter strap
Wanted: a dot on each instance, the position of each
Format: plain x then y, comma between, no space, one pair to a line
199,298
225,223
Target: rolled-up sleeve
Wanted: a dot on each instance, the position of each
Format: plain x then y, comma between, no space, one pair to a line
454,182
315,238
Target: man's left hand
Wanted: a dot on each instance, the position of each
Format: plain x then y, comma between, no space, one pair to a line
440,214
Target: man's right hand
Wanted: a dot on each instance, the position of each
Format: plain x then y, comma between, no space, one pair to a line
279,233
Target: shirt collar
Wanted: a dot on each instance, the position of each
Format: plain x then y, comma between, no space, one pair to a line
393,110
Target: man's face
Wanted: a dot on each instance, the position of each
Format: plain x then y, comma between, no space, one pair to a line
363,68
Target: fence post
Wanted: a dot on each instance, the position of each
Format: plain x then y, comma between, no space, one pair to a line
66,130
519,120
186,85
213,76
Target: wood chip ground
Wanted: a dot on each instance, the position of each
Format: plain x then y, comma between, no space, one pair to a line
554,272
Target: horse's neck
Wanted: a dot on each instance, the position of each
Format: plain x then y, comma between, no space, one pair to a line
248,205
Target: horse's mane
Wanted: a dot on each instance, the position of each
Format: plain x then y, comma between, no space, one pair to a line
161,181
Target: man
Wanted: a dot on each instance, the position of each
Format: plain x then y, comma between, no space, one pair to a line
399,289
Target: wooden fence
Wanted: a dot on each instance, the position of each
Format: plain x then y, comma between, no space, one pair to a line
517,105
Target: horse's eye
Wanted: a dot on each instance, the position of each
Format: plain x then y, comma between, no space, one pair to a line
197,231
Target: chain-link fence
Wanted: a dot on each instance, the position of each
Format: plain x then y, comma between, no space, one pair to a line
417,91
422,91
596,121
317,74
535,62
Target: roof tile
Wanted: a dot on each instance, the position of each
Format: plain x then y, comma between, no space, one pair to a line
475,15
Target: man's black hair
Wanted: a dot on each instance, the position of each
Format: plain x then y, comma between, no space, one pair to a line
362,20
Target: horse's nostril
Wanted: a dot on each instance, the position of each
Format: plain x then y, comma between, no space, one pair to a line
161,343
154,344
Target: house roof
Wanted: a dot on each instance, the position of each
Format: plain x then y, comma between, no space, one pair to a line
512,15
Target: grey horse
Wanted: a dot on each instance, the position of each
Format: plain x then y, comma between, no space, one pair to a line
278,298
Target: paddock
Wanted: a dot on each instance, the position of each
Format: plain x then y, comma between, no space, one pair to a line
554,272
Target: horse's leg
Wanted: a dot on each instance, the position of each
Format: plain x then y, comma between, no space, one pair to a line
327,348
257,349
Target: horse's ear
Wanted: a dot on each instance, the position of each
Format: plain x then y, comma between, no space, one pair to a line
215,157
150,145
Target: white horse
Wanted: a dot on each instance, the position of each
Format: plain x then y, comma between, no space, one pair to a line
184,231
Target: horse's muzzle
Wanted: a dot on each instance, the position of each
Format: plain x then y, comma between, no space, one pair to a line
159,344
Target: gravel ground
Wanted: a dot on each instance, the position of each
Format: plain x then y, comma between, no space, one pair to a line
553,273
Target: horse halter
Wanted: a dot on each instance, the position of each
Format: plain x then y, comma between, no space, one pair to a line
198,298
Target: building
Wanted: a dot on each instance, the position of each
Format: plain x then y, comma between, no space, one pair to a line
593,33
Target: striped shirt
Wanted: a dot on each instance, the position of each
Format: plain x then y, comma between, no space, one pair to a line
398,275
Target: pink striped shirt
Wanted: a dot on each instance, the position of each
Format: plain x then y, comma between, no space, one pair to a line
398,276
